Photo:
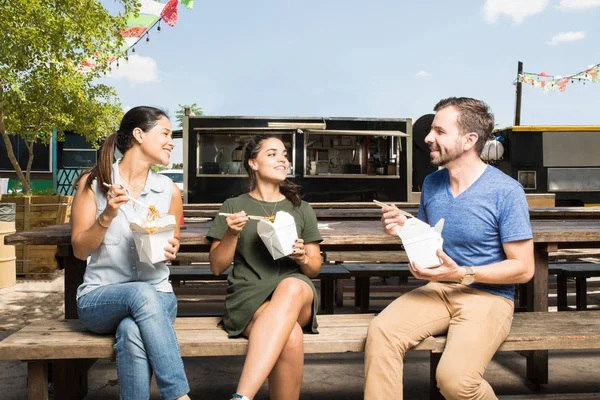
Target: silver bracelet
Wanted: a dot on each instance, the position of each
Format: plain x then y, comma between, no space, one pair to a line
100,223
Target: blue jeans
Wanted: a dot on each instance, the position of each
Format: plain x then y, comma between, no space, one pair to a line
145,338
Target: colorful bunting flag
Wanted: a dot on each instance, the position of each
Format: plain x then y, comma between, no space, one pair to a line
187,3
169,13
557,83
150,13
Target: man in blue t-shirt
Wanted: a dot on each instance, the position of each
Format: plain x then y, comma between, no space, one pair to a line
488,248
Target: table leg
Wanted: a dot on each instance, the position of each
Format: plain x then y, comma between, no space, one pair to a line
362,293
327,294
339,293
581,293
74,270
537,361
561,292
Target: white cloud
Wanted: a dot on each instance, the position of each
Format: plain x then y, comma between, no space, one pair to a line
565,37
518,10
577,5
139,69
423,74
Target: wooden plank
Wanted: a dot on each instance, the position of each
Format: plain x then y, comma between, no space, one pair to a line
384,270
573,254
371,256
192,257
338,333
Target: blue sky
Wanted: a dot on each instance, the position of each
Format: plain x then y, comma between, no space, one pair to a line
383,58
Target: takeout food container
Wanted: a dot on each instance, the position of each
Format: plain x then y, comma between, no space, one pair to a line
421,242
278,236
151,238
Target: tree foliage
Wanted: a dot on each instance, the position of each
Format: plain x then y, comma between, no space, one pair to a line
180,113
41,85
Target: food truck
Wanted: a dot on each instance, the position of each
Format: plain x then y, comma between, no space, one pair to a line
552,159
332,159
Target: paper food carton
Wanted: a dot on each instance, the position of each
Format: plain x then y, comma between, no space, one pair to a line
151,238
278,236
421,241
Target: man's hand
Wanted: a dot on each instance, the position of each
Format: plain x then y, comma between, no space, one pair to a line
391,220
447,271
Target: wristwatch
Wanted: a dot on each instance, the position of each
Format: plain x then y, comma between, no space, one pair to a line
469,276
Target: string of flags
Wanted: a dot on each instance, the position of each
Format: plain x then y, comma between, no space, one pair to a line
557,83
150,15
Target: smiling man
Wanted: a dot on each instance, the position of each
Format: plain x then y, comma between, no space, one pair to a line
488,248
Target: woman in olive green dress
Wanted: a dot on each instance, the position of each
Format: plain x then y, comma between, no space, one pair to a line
269,301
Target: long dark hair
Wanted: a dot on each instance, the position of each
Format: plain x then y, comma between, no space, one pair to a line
141,117
289,189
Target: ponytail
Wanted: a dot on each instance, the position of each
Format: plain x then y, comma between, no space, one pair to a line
102,171
291,191
141,117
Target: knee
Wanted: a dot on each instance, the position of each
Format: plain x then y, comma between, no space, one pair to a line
455,383
128,336
145,297
295,343
382,337
294,288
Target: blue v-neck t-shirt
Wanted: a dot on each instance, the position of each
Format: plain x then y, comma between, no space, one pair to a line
490,212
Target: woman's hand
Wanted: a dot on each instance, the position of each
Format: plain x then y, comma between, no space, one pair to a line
236,222
115,198
172,248
392,220
299,253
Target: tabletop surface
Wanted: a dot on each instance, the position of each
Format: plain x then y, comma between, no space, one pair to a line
343,232
367,211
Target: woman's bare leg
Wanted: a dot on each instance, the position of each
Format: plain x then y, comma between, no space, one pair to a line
270,330
285,379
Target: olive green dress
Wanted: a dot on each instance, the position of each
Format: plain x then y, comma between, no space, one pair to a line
255,274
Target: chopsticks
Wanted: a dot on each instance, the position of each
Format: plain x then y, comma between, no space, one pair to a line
380,204
256,217
129,197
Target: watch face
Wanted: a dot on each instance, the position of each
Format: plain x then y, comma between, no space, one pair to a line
468,279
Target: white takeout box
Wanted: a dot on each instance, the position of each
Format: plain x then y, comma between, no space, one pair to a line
151,246
421,242
278,236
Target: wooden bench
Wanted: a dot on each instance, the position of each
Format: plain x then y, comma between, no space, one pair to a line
68,342
580,271
328,276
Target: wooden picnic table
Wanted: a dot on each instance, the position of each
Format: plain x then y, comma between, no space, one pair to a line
372,211
549,236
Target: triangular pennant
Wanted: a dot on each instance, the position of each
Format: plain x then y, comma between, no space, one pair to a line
187,3
169,13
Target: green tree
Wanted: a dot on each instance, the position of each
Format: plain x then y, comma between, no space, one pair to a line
42,87
177,166
180,113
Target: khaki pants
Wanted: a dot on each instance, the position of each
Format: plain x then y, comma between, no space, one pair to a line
476,324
